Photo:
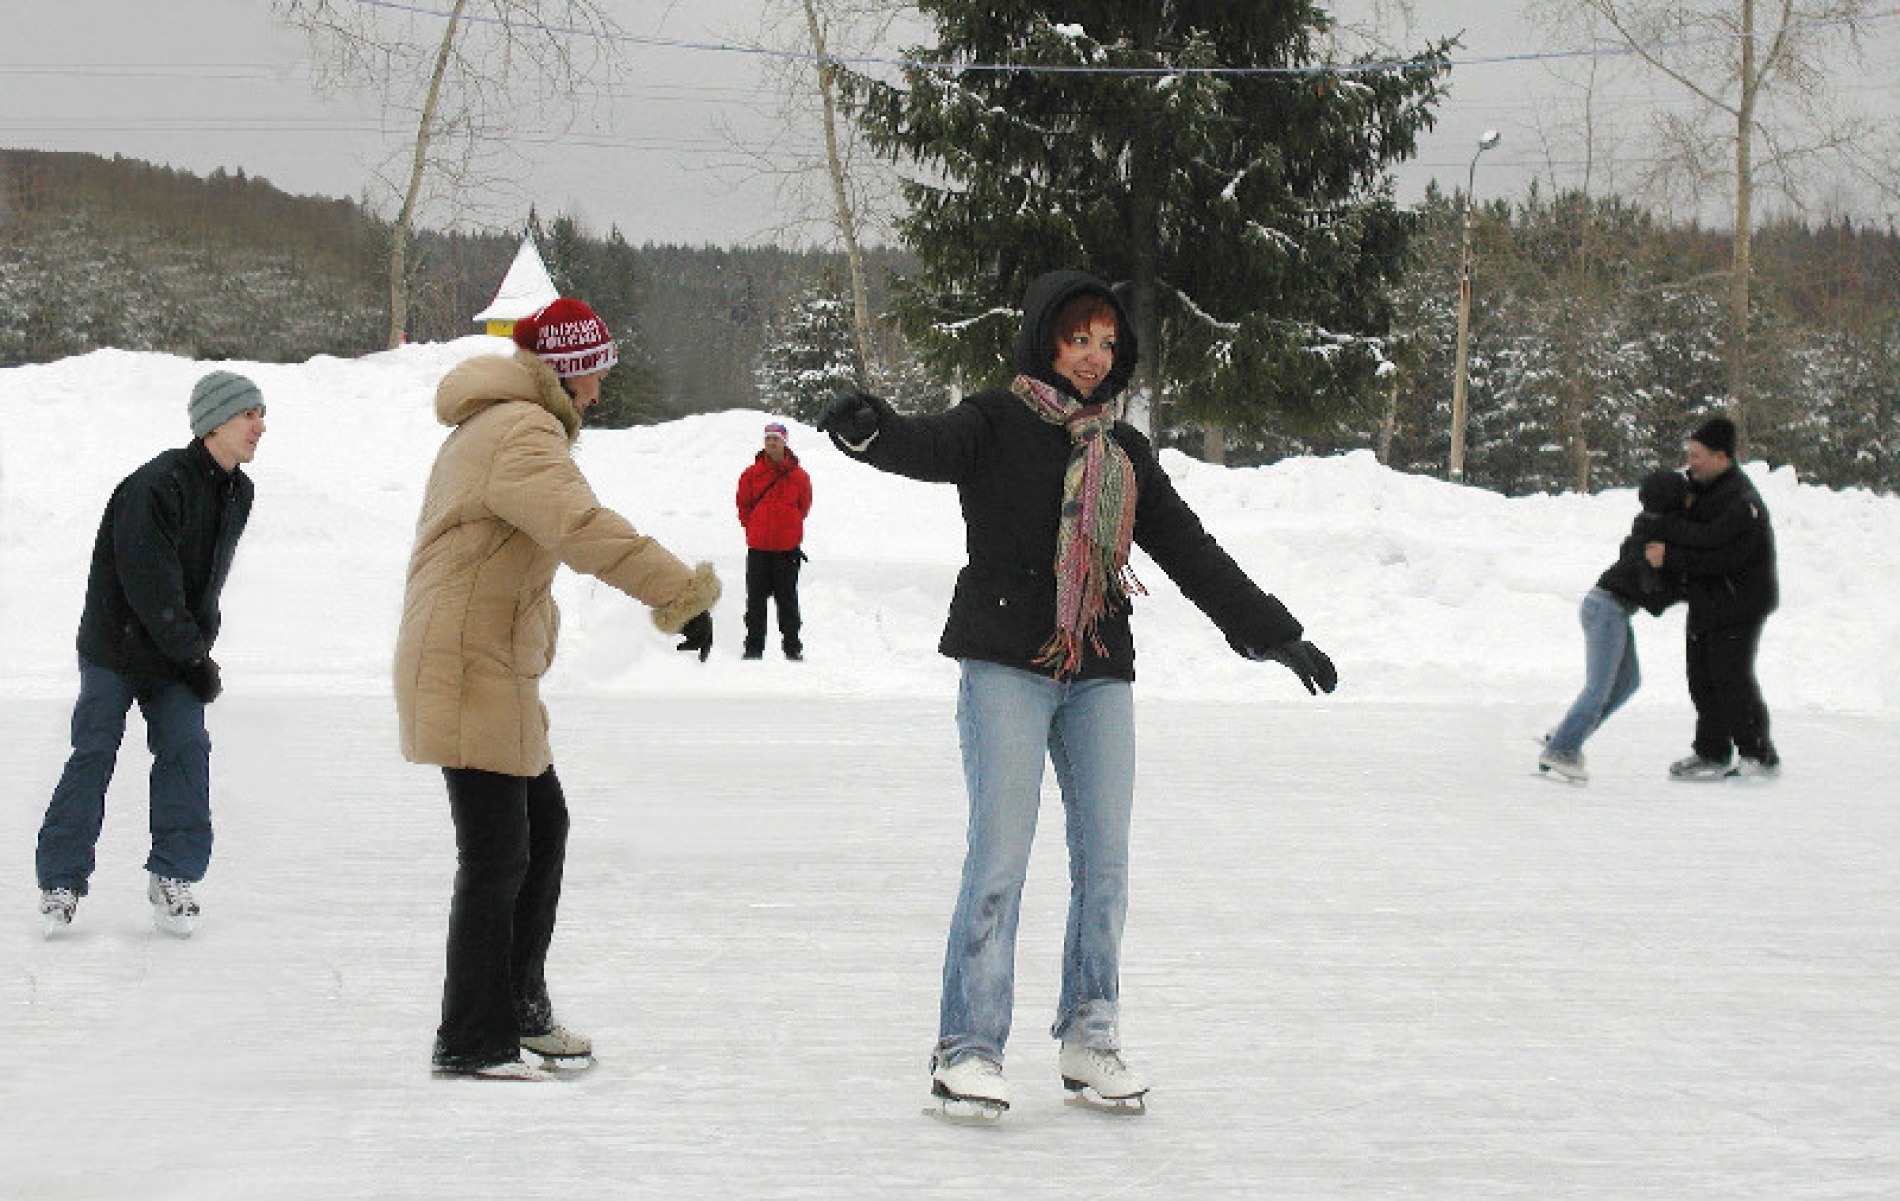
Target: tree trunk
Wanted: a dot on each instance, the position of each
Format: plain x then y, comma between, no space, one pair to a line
1144,397
1143,303
1741,266
1573,402
1143,407
841,200
1575,382
418,164
1388,424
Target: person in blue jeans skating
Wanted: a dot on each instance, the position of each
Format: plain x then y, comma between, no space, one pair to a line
159,563
1611,670
1054,492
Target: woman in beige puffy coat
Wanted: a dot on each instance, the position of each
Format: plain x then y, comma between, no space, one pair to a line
505,506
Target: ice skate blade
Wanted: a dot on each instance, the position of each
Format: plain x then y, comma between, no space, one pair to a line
1082,1096
53,926
177,927
565,1065
522,1073
1557,777
1701,775
960,1110
966,1111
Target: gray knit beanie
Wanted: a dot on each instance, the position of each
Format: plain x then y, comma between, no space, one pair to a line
218,397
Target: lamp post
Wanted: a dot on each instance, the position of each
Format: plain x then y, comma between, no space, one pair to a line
1486,140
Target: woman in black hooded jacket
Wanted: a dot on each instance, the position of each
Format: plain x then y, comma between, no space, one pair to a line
1054,490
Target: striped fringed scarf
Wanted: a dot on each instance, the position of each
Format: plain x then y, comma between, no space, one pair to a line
1098,524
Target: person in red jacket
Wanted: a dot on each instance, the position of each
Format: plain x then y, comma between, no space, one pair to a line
774,497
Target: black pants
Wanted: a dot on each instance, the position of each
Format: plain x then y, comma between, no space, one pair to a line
510,848
1729,710
774,574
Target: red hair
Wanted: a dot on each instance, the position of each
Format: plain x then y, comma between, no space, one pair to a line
1080,312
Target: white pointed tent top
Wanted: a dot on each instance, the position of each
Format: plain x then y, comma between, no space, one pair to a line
525,290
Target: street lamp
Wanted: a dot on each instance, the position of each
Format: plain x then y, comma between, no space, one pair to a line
1486,140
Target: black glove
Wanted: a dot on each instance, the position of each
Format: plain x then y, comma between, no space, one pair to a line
696,635
850,416
1304,660
203,679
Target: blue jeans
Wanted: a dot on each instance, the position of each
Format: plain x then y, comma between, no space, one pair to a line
180,780
1007,721
1611,674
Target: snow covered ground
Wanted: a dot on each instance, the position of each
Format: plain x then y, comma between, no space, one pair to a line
1369,953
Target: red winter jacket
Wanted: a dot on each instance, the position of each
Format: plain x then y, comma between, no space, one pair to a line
773,501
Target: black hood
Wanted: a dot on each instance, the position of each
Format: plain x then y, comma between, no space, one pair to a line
1036,341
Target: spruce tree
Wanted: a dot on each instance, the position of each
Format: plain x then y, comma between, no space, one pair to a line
810,354
603,274
1195,154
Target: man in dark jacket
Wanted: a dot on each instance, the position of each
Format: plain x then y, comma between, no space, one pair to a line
774,498
159,562
1724,549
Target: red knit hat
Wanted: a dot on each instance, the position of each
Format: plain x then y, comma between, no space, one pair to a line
569,337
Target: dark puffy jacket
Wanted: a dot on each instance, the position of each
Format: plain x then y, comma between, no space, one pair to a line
1724,548
1633,580
1008,464
159,562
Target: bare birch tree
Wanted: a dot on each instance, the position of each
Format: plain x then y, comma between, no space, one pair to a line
1759,82
1572,133
855,192
1367,28
456,80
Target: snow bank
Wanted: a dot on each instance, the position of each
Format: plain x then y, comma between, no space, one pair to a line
1419,589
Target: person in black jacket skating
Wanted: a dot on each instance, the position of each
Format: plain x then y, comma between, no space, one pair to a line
1724,548
1612,672
159,564
1054,490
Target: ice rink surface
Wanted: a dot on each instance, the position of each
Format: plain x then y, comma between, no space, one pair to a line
1369,954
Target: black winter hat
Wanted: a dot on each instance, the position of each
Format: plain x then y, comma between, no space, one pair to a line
1717,433
1663,491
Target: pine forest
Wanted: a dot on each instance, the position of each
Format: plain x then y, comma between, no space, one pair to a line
1595,336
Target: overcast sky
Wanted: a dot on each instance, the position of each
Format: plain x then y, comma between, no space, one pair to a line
203,84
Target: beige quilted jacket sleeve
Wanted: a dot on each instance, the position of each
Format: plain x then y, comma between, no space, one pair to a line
536,486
